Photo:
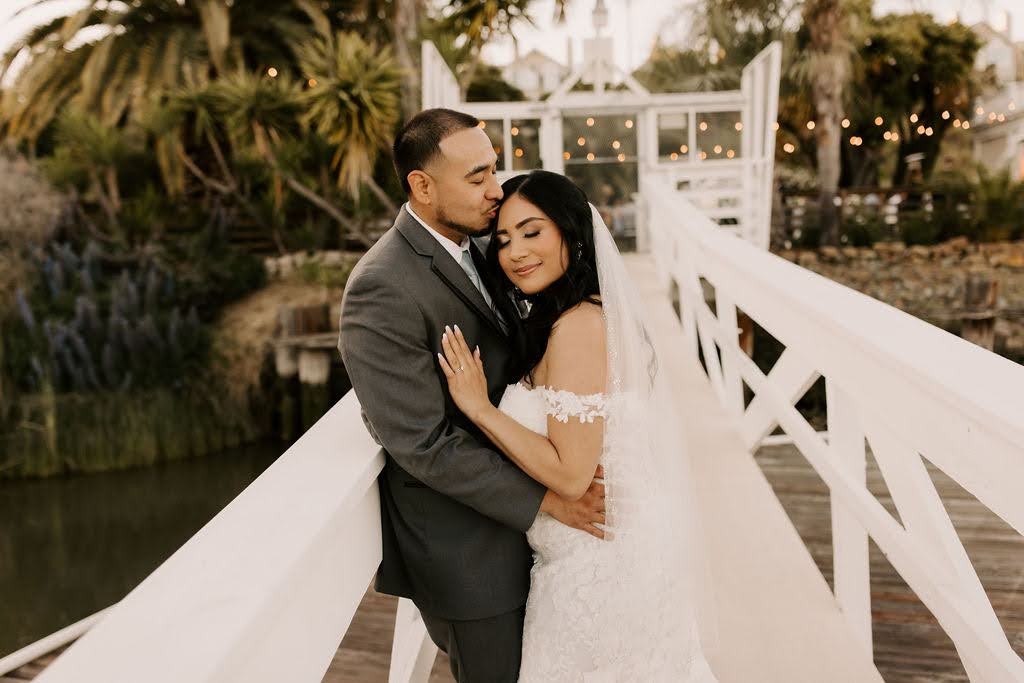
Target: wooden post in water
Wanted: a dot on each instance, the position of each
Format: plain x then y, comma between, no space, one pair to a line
314,390
979,319
303,366
286,363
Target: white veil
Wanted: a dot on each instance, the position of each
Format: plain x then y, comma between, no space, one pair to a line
651,503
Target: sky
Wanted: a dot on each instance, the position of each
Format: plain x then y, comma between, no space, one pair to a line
636,23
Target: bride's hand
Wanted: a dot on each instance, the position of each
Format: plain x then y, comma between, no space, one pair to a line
465,372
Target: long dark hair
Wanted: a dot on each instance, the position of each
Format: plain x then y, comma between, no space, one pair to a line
567,206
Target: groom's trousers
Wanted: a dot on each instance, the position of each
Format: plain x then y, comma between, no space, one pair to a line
481,650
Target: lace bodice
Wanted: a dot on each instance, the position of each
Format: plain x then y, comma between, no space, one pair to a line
598,611
531,408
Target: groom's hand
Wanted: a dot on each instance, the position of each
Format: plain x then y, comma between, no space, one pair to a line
583,514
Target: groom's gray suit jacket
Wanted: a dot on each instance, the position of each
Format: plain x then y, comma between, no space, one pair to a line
453,509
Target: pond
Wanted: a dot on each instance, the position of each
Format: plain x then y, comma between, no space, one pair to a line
71,546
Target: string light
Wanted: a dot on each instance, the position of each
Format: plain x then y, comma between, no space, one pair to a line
566,156
739,125
621,157
789,148
920,130
581,141
272,72
685,149
515,131
673,156
775,125
629,123
967,124
810,125
312,83
956,123
703,155
845,123
718,149
879,120
887,135
519,152
979,111
1012,105
616,144
703,125
913,118
945,115
590,156
590,121
928,131
730,153
482,124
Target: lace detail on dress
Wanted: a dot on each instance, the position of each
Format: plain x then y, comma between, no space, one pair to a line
600,611
562,404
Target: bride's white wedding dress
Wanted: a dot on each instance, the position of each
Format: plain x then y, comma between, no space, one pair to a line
603,611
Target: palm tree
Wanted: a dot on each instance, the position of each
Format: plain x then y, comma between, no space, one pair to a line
829,62
352,103
478,21
147,48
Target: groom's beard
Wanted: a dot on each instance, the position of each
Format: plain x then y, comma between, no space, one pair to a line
445,220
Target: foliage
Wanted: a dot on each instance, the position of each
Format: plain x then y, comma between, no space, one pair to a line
910,65
352,102
32,209
149,47
902,64
998,203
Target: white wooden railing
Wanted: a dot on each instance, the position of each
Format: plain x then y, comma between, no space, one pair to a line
267,589
911,389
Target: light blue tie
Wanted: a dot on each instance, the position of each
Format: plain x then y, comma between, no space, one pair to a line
467,265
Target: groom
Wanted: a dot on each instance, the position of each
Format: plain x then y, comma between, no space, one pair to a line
453,509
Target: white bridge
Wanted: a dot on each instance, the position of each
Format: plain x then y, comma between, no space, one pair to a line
267,589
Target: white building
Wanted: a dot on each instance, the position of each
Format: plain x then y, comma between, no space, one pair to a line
998,51
535,73
998,127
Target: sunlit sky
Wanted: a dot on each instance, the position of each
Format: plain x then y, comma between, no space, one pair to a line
635,23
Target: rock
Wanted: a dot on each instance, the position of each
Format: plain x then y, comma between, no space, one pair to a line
829,253
285,265
920,251
270,265
850,252
332,258
957,243
806,258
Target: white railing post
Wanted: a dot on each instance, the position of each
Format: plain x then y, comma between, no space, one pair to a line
412,651
730,329
851,570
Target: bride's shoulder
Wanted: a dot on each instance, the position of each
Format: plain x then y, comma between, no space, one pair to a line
583,322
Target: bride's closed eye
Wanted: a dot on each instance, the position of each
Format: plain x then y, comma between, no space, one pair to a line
502,245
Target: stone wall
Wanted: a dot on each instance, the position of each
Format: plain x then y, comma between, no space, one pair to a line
930,281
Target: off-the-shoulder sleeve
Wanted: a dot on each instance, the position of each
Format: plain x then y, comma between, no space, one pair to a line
562,405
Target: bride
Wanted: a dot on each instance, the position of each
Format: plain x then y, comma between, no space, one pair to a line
591,393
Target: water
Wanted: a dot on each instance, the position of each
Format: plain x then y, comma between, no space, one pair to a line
70,547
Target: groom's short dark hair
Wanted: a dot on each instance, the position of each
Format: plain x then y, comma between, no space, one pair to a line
419,141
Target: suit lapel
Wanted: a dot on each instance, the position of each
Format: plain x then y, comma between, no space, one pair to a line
445,267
